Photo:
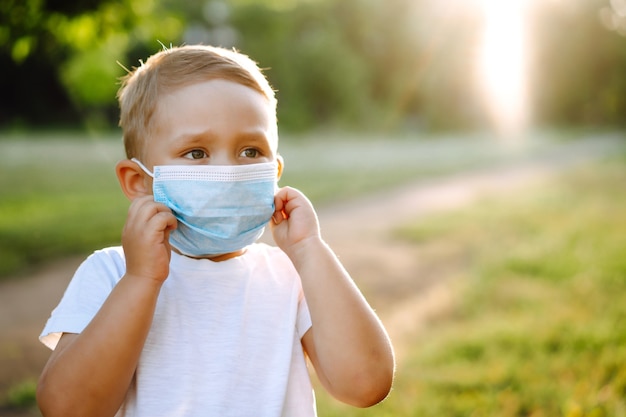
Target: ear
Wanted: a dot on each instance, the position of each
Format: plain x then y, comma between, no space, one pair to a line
134,182
281,165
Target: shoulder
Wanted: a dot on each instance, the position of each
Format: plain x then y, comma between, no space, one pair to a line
113,255
110,254
107,264
97,275
88,289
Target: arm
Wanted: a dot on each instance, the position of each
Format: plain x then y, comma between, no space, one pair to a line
88,374
347,344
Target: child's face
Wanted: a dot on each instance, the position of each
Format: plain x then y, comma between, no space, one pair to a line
216,122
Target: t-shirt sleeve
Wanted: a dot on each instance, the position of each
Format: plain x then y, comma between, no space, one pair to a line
89,288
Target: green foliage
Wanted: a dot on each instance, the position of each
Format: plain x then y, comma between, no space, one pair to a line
100,39
539,329
75,46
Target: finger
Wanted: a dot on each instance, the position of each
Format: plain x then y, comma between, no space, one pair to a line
143,209
138,206
278,217
279,205
279,199
166,220
161,225
150,220
290,199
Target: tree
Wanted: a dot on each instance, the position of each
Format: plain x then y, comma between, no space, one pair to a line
56,56
579,66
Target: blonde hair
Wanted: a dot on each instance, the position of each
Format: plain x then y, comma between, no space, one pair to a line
174,68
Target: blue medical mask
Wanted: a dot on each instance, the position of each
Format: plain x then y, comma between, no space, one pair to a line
220,208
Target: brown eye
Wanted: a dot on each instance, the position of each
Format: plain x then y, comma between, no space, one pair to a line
196,154
250,153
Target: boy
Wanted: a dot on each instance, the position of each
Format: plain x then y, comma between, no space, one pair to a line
191,317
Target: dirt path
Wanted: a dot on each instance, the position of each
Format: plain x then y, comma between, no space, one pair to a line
401,283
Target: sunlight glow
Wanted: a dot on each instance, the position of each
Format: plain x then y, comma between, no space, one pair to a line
502,65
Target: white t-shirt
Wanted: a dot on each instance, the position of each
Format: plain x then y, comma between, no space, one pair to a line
225,340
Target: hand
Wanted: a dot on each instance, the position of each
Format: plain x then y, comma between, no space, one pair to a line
294,219
145,239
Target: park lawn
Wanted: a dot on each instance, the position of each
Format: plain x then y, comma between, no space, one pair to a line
540,328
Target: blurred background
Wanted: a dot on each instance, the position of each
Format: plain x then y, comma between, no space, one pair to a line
466,157
400,64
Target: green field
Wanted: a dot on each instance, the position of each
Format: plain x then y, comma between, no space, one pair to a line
540,328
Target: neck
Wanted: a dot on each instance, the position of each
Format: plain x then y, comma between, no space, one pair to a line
215,258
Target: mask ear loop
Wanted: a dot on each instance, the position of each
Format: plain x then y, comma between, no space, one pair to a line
142,166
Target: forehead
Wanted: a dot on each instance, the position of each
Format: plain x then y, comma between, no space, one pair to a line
222,107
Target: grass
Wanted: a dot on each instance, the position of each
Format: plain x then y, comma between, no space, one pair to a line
541,328
59,195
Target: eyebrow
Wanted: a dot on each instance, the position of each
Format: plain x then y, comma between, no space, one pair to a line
259,136
194,137
254,135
